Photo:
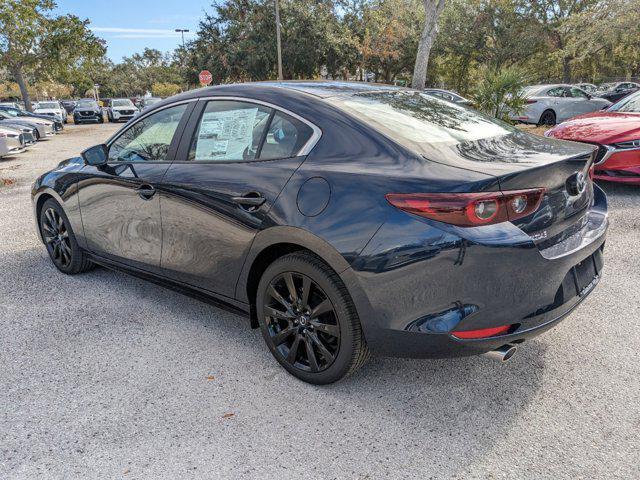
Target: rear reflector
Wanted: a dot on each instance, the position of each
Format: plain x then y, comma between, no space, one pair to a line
470,209
482,333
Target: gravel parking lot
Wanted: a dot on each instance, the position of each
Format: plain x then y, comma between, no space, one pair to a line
107,376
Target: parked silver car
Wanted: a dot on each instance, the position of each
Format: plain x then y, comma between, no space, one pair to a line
11,141
43,127
551,104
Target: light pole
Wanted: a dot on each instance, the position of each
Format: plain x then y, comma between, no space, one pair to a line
182,31
280,77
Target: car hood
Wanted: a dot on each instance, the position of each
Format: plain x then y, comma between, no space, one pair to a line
25,123
599,127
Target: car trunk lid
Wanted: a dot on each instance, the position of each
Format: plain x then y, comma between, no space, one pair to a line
521,161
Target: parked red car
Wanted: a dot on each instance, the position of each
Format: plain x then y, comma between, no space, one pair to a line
616,131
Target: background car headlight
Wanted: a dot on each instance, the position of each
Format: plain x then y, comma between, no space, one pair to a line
630,145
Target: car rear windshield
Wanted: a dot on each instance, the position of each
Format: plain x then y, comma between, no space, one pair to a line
122,103
630,104
419,121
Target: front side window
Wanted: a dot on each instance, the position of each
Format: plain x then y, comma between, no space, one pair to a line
577,93
241,131
148,139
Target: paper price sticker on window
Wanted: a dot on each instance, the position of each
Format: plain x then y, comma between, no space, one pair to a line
225,135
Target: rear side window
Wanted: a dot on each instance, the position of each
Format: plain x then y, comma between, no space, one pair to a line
285,138
243,131
558,92
230,131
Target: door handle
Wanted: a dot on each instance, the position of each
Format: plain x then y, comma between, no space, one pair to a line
251,201
146,191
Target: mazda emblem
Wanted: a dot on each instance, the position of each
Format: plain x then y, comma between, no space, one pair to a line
576,184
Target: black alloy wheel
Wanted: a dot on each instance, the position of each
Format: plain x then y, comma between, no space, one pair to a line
548,118
56,238
302,322
308,319
60,241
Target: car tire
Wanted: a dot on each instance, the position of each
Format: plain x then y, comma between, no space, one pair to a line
548,117
100,119
308,319
36,135
60,240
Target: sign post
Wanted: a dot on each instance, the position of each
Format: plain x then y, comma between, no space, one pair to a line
205,77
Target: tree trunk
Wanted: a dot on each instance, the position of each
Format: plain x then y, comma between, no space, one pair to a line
432,10
17,74
566,69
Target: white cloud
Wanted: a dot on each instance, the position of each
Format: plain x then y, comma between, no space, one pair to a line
139,32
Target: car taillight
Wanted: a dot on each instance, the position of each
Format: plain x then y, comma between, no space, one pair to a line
482,333
529,101
470,209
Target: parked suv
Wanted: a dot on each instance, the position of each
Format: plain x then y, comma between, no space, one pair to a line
119,109
87,110
51,109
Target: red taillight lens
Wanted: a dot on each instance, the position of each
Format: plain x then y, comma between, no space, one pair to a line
470,209
531,101
482,333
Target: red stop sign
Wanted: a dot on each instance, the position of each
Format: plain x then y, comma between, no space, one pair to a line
205,77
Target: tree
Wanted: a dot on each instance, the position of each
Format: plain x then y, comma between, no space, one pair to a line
391,30
165,89
500,92
554,15
30,40
432,11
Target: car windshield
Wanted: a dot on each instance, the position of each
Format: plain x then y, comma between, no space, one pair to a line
630,104
87,104
122,103
48,105
419,121
151,101
607,86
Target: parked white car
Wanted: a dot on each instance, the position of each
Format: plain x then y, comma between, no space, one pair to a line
51,109
551,104
121,109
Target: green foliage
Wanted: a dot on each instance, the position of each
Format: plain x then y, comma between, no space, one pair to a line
164,89
500,92
34,43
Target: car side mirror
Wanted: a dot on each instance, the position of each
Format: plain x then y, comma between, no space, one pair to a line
96,155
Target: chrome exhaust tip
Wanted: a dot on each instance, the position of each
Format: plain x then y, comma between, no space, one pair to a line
503,353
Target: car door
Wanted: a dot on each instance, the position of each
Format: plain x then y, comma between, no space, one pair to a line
235,157
119,203
581,102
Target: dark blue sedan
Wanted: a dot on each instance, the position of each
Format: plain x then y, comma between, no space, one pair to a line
343,219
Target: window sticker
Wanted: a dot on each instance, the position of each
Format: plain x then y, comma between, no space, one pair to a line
225,135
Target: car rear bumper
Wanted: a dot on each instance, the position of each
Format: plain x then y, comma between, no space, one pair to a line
412,298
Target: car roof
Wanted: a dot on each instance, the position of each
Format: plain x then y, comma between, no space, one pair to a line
320,89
